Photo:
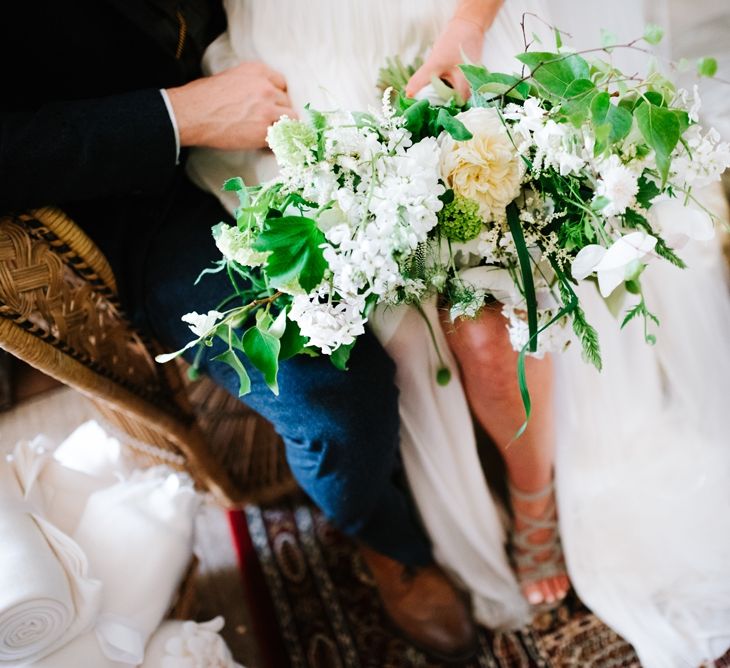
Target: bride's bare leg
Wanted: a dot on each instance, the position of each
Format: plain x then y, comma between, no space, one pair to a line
489,373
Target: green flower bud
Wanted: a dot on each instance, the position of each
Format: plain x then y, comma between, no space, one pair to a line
459,220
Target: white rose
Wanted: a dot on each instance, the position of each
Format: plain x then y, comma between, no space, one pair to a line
485,168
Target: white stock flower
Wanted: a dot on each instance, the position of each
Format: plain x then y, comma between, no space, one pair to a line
618,183
560,146
327,324
703,162
486,168
616,264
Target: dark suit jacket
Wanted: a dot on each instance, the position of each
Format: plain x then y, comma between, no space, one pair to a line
82,122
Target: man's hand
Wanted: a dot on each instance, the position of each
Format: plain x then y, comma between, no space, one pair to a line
230,110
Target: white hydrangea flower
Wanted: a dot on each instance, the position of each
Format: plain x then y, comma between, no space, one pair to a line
235,245
618,183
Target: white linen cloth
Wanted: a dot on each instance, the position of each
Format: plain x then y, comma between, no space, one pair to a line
47,596
138,536
642,463
189,645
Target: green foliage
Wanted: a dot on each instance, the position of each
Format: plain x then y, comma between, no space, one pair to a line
452,125
648,190
640,310
553,71
618,120
341,356
294,242
482,81
422,119
291,342
707,67
579,94
230,358
588,338
262,348
660,128
653,34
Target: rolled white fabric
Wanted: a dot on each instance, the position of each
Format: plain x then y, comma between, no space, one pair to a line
189,645
138,537
46,595
82,652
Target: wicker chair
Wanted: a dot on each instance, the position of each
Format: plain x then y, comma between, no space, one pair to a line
59,312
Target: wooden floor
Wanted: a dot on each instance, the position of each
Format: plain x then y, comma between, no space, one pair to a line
56,411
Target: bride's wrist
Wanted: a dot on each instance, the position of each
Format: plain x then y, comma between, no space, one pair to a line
479,13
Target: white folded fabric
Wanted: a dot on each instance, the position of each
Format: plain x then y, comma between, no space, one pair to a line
46,595
138,537
189,645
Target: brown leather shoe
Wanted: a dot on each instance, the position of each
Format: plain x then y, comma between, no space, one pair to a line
425,606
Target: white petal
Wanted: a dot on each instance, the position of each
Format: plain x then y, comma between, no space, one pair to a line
166,357
634,246
610,279
586,261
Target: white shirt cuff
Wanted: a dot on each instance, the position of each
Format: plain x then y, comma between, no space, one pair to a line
173,120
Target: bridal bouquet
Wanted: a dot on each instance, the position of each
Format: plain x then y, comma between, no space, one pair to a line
542,180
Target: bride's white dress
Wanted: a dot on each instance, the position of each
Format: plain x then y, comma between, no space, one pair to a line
643,463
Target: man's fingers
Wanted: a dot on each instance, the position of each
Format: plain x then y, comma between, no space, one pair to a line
283,110
276,78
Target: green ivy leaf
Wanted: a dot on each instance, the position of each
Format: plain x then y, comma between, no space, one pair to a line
603,112
231,359
580,94
660,129
416,116
707,67
482,80
653,34
292,342
554,71
608,39
452,125
262,349
294,242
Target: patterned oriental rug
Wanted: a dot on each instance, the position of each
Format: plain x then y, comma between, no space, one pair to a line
315,606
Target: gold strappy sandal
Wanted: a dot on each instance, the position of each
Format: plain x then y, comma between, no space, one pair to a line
537,561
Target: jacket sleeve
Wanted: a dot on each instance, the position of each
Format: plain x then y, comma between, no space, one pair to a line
70,151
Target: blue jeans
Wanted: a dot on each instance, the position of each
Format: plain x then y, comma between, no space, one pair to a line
340,429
